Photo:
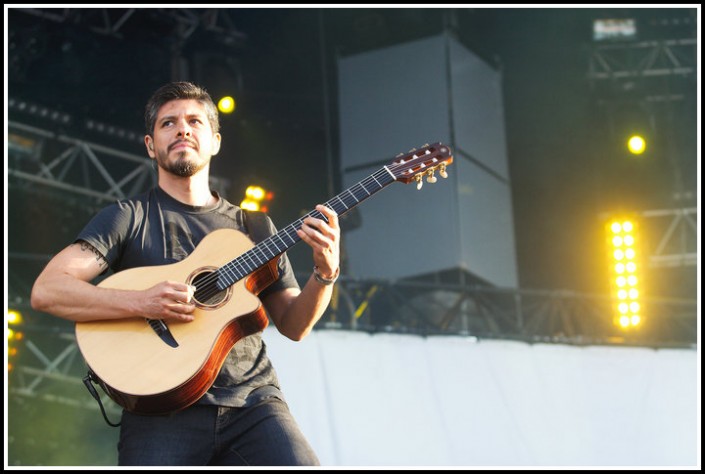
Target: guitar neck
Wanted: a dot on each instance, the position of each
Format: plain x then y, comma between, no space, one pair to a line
287,237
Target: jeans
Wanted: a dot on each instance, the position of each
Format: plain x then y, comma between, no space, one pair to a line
265,434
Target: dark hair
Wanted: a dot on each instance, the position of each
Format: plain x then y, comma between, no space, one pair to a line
176,91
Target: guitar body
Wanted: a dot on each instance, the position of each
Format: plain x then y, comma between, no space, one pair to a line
149,374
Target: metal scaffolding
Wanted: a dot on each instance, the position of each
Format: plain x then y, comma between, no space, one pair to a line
643,59
41,157
115,22
678,231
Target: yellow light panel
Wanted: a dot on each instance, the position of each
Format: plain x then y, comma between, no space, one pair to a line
623,253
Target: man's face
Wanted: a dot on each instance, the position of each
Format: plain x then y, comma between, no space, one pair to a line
183,141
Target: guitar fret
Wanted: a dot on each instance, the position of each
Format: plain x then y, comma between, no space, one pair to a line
278,235
274,244
365,189
266,243
237,273
343,203
346,198
260,255
238,270
242,270
290,229
359,194
353,196
268,253
248,260
224,277
337,207
390,173
257,260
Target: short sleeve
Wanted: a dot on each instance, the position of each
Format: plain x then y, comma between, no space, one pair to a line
108,230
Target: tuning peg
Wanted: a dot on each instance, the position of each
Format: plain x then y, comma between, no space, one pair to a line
419,181
442,171
431,178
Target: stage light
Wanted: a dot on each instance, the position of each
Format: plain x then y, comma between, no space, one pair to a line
622,242
113,131
636,144
14,317
38,110
614,29
226,105
14,336
633,129
257,198
255,192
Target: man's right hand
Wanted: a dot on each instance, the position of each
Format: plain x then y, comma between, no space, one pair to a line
169,300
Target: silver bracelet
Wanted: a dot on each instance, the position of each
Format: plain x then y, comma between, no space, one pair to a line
325,281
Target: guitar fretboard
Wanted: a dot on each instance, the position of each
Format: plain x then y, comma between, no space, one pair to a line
287,237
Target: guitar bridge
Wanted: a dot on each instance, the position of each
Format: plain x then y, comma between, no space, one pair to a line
162,330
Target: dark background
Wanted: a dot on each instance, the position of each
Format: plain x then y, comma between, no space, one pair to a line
567,168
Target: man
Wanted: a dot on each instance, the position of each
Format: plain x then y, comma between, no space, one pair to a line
242,419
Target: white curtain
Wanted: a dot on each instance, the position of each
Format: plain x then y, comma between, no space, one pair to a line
398,400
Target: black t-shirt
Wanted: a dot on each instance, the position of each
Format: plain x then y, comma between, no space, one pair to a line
155,229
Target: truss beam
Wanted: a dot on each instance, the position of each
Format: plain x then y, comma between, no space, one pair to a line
114,22
42,157
643,59
677,245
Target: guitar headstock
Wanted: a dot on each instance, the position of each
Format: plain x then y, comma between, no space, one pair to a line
416,164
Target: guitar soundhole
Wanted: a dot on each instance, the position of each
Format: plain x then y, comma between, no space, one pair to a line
208,295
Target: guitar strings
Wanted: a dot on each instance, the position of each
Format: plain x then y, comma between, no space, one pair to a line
208,287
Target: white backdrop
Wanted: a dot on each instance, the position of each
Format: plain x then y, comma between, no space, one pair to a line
398,400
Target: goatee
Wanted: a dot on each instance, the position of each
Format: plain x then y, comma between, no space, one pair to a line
182,167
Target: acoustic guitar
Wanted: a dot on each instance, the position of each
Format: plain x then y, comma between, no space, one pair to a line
149,366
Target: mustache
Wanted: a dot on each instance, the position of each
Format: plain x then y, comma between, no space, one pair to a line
181,142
